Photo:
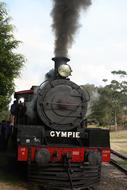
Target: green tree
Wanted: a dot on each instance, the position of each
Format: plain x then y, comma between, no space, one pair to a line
119,88
102,108
111,107
10,61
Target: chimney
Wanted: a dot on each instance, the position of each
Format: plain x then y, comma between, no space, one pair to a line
59,61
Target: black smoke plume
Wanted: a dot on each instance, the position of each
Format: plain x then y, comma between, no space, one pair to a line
65,15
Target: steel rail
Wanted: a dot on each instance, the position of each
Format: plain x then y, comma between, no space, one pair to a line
113,162
116,164
118,154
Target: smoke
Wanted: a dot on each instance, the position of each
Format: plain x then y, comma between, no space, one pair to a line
94,97
65,15
30,105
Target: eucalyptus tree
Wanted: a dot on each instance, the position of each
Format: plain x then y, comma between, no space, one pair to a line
111,107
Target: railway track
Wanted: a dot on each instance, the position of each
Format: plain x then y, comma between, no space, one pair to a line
116,163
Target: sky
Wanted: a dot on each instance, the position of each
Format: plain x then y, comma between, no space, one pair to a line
100,44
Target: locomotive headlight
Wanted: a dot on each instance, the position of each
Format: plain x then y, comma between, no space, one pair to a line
64,70
21,100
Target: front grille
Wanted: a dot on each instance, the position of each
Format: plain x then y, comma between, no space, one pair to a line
55,175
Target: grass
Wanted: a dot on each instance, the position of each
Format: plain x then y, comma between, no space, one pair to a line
118,135
118,141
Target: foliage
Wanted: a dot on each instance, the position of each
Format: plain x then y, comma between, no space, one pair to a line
10,61
111,107
4,114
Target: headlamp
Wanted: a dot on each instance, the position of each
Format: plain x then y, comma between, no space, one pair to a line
21,100
64,70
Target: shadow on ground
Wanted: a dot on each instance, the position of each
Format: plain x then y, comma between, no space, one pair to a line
10,170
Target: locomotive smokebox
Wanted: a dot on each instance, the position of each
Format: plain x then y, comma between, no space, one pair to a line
61,64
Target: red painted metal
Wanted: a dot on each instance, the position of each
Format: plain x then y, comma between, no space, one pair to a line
22,153
24,92
106,155
57,153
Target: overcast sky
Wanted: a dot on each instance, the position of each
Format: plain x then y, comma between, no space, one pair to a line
100,44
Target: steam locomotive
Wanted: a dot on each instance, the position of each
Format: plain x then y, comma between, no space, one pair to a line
52,137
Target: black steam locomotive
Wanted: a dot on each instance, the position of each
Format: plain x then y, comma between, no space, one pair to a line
52,137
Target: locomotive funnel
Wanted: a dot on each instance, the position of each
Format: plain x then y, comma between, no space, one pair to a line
58,62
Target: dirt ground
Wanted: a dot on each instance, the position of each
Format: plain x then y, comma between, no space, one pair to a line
7,186
112,179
